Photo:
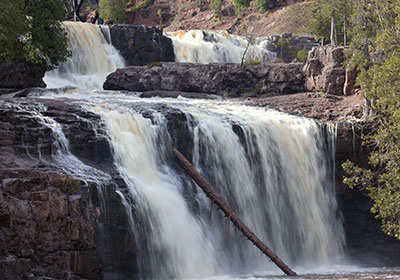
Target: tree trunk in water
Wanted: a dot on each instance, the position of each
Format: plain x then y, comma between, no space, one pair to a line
224,207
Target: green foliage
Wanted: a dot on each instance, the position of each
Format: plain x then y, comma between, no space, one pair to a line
302,55
375,51
112,10
240,6
320,22
154,64
30,30
262,4
142,5
252,62
216,6
66,183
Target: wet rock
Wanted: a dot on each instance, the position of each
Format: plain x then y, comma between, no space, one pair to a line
324,70
226,79
53,226
141,45
21,75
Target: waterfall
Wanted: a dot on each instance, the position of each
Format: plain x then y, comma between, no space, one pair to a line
272,168
198,46
93,58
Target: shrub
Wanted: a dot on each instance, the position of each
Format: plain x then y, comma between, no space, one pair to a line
112,10
253,62
154,64
302,55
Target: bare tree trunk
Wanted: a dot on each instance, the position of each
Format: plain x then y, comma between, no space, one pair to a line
249,40
345,31
224,207
333,28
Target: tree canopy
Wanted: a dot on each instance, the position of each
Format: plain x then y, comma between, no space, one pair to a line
375,52
31,31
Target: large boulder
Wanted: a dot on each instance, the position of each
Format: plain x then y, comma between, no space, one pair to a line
216,78
21,75
140,45
324,70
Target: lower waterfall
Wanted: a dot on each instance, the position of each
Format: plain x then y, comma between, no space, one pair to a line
274,170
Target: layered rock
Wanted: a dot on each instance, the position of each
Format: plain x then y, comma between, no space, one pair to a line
140,45
324,70
217,78
21,75
54,224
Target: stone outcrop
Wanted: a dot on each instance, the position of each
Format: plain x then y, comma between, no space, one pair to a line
324,70
141,45
286,46
226,79
21,75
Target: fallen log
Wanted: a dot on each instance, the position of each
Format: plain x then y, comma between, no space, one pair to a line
224,207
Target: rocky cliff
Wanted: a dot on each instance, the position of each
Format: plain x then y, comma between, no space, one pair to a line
21,75
226,79
55,223
141,45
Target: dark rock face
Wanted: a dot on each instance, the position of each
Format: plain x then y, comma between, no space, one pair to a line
324,70
52,224
21,75
287,46
141,45
216,78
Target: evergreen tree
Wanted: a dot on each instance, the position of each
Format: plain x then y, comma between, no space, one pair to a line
31,31
112,10
377,48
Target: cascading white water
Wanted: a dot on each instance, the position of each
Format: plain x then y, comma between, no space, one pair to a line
93,58
198,46
272,168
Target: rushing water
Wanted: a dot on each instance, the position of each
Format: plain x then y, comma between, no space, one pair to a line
200,46
93,58
274,170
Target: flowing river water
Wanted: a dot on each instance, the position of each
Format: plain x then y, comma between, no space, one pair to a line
273,169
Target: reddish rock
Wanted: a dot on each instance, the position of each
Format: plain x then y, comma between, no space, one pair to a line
324,71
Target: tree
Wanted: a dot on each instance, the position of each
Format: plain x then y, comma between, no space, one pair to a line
379,45
112,10
31,31
216,6
329,18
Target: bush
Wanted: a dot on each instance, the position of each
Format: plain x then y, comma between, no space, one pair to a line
302,55
112,10
154,64
216,6
252,63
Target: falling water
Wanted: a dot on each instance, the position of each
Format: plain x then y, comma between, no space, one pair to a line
200,46
273,169
93,58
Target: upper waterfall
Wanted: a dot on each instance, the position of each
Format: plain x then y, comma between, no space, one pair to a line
198,46
93,57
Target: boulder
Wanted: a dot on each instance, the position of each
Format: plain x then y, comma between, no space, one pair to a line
227,79
324,70
141,45
21,75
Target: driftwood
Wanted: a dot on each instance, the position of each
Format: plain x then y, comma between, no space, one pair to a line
224,207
